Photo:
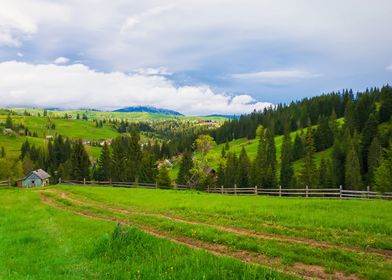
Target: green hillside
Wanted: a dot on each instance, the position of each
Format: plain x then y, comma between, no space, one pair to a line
130,116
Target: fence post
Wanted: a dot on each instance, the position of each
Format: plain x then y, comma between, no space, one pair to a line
208,189
9,181
307,191
235,189
341,191
222,189
280,190
84,181
156,185
255,190
368,191
59,180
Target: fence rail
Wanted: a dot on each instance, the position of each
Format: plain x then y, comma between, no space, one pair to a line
281,192
120,184
6,183
305,192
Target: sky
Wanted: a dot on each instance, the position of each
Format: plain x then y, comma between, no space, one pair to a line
197,57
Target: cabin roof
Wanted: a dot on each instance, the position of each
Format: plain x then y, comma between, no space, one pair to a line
39,173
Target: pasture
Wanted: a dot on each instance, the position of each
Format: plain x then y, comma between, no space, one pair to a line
72,231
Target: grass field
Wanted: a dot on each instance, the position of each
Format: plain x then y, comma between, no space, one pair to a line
38,241
328,239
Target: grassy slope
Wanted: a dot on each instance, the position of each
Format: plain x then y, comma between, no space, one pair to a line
134,116
70,128
40,242
12,144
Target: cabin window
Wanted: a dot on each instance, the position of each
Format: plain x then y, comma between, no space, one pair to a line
32,181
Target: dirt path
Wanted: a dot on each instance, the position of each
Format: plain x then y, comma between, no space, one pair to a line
298,269
318,244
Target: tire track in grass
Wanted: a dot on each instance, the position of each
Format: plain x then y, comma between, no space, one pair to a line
302,270
241,231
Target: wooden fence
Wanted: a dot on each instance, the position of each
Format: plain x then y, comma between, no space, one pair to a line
306,192
120,184
281,192
6,183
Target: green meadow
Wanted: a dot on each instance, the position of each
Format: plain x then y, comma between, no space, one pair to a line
38,241
70,232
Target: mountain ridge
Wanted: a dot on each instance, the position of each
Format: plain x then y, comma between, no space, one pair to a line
148,109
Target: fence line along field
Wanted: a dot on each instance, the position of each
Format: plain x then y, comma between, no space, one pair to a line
89,232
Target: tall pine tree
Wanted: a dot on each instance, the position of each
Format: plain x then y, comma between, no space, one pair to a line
243,169
353,178
309,170
286,170
186,166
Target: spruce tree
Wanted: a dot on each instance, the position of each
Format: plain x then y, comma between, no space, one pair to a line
25,149
119,160
309,171
368,134
186,166
244,166
80,162
350,117
148,168
298,148
104,164
231,172
338,160
221,175
163,178
270,175
353,178
8,122
374,158
260,162
286,170
3,153
383,173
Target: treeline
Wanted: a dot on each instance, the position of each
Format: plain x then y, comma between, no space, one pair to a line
125,160
360,144
175,136
301,114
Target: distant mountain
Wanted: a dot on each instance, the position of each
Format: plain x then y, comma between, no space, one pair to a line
224,116
148,109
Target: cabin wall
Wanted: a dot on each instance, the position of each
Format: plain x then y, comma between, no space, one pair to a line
32,182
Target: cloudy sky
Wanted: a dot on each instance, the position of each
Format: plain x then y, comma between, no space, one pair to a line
196,56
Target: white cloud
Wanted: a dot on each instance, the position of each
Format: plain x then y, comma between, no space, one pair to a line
61,60
159,71
19,54
20,20
75,86
275,75
132,21
389,68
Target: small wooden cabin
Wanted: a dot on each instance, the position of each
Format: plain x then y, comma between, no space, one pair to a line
38,178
